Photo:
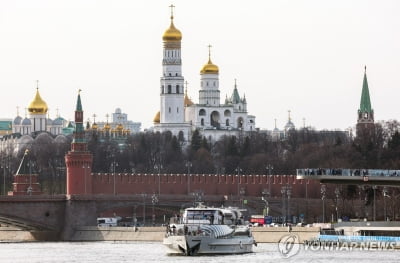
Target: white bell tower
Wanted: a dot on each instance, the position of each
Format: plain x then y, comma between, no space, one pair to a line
172,81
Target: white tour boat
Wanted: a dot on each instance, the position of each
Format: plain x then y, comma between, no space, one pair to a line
209,230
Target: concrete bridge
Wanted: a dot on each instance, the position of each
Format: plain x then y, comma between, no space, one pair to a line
351,176
56,217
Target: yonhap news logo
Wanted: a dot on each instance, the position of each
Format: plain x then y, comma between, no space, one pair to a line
289,245
349,245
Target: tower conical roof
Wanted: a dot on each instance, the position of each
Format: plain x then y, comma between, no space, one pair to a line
78,102
365,103
235,98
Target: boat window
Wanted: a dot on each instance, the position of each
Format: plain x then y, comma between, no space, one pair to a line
199,214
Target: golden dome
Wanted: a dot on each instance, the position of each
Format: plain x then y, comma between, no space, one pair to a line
157,118
107,126
94,126
119,127
209,68
37,105
172,33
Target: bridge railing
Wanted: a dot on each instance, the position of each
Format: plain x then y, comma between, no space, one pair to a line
346,172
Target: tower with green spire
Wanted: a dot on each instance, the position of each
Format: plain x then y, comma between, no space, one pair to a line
365,118
79,160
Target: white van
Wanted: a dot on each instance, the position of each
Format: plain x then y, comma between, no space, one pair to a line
107,221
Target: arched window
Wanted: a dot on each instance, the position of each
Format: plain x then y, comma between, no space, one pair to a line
176,74
202,122
202,112
214,119
227,113
177,89
169,89
227,122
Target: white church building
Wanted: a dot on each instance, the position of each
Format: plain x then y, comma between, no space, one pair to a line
180,115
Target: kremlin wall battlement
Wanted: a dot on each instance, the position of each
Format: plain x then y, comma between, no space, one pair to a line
208,184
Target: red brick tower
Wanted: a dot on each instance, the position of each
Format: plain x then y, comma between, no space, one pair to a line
79,160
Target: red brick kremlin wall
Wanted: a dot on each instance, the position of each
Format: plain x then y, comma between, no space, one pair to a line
209,184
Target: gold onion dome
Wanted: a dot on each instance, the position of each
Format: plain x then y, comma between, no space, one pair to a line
172,33
209,68
107,126
37,105
157,118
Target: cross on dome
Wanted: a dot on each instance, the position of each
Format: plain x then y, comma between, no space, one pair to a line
172,11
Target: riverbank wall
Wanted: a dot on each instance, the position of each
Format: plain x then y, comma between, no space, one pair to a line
155,234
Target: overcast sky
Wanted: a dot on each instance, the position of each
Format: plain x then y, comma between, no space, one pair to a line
303,56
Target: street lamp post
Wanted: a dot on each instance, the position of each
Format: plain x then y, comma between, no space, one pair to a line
242,193
289,194
158,167
337,193
114,165
269,168
188,165
374,212
283,192
323,195
238,171
144,195
154,200
385,194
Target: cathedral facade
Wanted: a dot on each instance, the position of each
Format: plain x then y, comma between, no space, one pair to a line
35,124
180,115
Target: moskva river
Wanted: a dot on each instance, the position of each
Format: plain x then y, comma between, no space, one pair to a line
107,252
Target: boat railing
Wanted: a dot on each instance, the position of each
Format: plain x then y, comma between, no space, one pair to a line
346,172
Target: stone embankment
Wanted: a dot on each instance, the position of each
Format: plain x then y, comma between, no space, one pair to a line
94,233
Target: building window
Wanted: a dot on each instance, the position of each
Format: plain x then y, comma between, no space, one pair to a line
202,112
177,89
176,74
169,89
162,89
169,109
227,122
202,122
177,110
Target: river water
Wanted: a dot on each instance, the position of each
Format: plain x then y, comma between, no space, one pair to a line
108,252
